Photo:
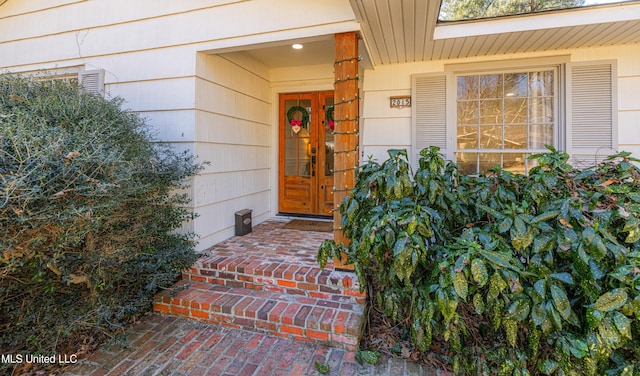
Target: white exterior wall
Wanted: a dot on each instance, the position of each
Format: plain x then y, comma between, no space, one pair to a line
161,57
233,132
384,128
84,29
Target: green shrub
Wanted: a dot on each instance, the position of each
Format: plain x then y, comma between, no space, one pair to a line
88,216
521,275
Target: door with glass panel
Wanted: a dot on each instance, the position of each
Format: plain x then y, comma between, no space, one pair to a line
306,153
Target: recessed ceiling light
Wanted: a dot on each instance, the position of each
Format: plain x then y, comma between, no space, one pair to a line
297,46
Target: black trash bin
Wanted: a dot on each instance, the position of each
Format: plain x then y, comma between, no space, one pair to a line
243,222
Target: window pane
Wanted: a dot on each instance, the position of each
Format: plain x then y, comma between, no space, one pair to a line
515,136
491,111
468,87
491,86
490,137
297,147
514,163
541,110
468,137
515,85
329,142
498,113
515,111
531,163
468,163
488,160
457,10
541,84
467,112
540,135
290,161
304,168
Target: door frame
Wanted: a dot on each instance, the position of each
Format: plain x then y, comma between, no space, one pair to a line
319,190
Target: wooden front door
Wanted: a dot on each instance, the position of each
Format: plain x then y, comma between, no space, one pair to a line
306,154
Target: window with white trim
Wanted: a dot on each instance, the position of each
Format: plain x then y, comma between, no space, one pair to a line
68,78
89,80
498,117
502,118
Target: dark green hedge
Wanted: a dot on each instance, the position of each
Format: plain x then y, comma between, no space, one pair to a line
88,216
519,275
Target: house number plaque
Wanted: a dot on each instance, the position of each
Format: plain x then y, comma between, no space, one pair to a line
401,101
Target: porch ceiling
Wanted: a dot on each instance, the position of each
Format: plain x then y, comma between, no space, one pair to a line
398,31
315,52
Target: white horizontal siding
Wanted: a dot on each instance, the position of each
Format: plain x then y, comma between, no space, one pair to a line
147,65
17,8
396,78
234,133
157,95
628,93
226,158
93,28
224,129
303,77
383,127
379,153
629,131
157,55
240,61
381,108
229,101
237,71
213,188
172,125
633,149
50,17
216,221
124,68
393,132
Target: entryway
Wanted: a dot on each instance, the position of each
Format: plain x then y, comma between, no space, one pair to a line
306,160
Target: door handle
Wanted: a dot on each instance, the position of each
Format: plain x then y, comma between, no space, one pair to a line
313,165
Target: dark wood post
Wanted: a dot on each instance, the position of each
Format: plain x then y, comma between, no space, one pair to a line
346,114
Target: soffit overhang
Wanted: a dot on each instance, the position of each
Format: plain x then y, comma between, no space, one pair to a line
400,31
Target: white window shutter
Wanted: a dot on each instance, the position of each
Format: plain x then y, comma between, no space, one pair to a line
429,113
592,132
92,81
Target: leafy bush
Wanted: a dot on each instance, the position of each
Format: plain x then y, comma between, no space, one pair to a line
88,213
521,275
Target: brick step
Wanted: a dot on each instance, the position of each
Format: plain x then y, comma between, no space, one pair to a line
276,276
331,322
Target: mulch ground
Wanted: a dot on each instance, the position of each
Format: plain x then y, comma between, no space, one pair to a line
382,335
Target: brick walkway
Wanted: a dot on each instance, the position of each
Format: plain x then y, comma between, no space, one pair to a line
267,282
162,345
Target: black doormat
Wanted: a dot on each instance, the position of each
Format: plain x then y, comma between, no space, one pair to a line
299,224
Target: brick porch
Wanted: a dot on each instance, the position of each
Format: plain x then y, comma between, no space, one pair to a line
269,281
